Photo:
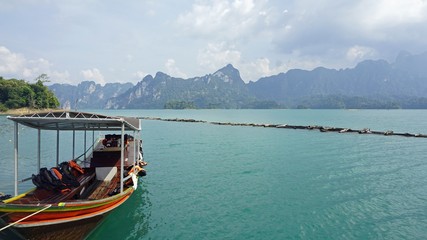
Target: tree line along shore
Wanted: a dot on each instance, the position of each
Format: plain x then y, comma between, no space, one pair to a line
19,96
26,110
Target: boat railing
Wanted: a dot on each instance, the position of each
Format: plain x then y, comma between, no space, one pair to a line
25,179
78,159
126,178
81,158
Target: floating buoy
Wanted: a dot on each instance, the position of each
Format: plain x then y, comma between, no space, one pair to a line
311,127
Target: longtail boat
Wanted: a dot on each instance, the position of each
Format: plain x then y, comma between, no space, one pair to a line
72,197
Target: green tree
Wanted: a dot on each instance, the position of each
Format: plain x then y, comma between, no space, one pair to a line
19,93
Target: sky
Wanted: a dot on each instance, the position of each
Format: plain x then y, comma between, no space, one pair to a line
123,41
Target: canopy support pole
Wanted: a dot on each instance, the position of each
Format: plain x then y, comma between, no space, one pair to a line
16,158
74,143
57,147
84,149
93,140
134,148
122,156
38,150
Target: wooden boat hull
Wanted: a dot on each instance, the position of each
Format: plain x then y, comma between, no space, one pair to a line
65,231
67,220
63,211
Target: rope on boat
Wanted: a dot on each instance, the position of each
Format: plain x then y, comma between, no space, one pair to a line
22,219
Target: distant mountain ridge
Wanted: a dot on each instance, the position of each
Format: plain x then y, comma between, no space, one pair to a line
222,89
368,78
87,94
371,84
399,82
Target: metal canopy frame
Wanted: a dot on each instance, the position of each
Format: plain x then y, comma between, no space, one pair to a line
71,121
67,120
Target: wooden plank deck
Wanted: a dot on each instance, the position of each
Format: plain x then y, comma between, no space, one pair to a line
41,195
103,189
89,188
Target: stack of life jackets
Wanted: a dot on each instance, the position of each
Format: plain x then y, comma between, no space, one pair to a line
61,178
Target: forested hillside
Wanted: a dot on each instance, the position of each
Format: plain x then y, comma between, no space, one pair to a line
16,93
371,84
222,89
87,94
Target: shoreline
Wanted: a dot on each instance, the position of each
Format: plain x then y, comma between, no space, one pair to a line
20,111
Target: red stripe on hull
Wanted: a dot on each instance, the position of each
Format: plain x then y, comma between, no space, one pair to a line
64,214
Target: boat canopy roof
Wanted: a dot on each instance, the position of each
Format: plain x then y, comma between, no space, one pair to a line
68,120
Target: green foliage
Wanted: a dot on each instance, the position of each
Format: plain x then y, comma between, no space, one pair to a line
259,104
3,108
349,102
18,93
179,105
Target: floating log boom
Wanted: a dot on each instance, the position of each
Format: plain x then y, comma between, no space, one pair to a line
287,126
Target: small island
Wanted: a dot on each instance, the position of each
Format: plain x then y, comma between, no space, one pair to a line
20,96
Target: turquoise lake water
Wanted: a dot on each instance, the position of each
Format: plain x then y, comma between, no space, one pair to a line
225,182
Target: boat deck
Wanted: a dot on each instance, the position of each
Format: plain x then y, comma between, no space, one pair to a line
102,189
91,187
40,195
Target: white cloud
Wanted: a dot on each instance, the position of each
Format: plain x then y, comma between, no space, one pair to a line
394,12
387,24
63,77
10,63
173,70
259,37
94,75
37,67
338,34
243,6
139,75
15,65
357,53
260,68
205,18
217,55
223,18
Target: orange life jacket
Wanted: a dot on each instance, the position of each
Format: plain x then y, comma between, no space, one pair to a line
76,167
